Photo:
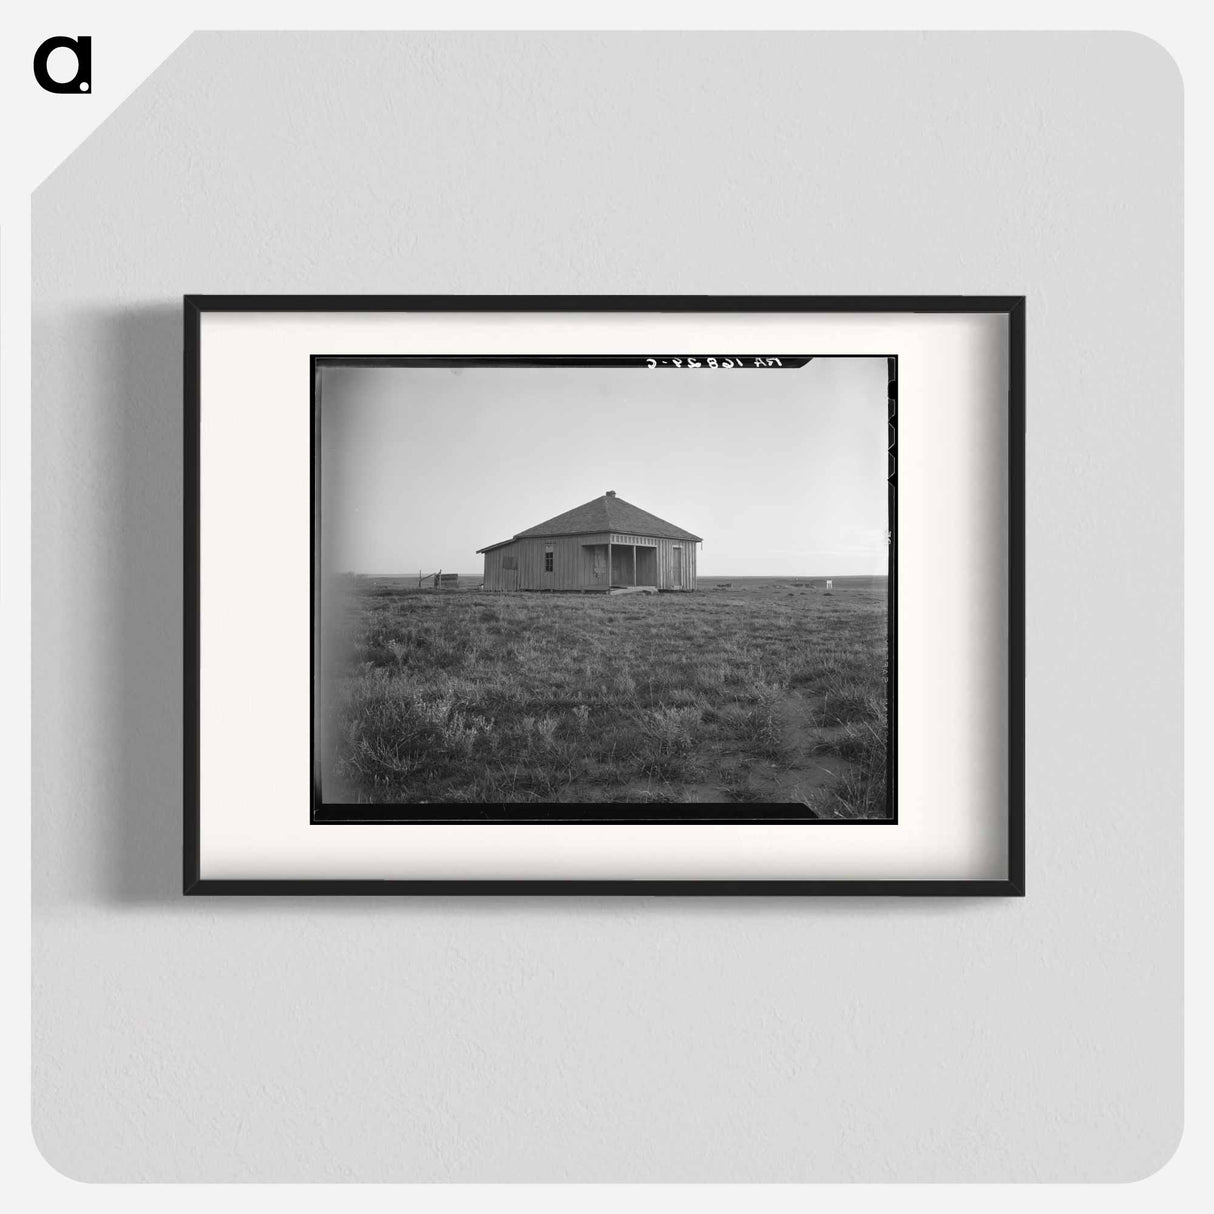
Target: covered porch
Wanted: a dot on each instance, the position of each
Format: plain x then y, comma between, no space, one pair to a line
625,564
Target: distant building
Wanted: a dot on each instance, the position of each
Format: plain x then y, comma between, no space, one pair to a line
604,543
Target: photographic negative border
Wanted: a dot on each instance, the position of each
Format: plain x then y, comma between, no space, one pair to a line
1013,307
324,813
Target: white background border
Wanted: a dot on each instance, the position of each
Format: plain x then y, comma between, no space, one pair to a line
1177,24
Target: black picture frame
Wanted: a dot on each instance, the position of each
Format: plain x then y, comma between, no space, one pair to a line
1010,306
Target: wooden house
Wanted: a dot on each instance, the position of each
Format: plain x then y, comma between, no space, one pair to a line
602,544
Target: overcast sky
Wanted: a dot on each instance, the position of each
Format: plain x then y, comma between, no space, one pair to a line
781,471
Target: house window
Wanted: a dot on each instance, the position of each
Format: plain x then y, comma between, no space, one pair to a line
548,562
510,562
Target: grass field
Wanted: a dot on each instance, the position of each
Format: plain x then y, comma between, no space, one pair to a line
772,690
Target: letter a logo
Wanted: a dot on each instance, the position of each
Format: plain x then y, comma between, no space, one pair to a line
82,81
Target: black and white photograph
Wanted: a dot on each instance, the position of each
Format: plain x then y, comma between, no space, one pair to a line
637,587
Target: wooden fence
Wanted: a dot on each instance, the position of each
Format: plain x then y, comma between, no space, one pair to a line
438,580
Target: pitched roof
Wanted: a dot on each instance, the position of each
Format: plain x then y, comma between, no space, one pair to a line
499,544
606,513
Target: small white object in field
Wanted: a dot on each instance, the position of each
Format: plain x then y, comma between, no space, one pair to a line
829,584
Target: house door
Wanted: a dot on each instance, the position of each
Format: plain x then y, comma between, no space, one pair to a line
549,568
676,580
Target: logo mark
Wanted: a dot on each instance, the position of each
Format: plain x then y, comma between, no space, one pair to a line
82,81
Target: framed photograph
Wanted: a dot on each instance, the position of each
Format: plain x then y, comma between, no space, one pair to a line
610,594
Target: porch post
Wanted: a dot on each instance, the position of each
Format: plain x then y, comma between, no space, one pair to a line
610,572
634,564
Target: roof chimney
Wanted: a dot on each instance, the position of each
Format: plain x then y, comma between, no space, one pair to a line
611,493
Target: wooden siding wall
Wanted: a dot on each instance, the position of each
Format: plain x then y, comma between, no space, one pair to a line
666,564
573,563
495,574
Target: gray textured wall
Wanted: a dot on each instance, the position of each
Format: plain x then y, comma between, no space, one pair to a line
628,1039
